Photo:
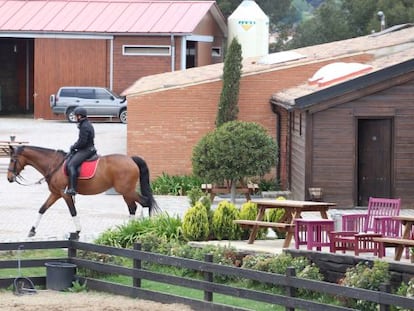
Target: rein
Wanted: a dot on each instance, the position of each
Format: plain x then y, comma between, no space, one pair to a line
53,171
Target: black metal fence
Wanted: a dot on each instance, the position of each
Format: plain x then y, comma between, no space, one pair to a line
289,281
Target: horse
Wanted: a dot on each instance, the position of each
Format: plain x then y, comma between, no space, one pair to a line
112,171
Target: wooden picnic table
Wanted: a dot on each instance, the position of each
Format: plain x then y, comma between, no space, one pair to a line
5,146
293,209
406,240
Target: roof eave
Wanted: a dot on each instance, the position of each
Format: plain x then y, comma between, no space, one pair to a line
361,82
220,19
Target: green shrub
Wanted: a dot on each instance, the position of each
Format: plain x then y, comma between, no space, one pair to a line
151,242
248,211
276,215
174,185
195,223
310,272
268,184
194,195
406,290
223,255
363,276
126,235
167,226
278,264
206,201
223,221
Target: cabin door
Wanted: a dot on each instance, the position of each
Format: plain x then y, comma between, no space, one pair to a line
374,159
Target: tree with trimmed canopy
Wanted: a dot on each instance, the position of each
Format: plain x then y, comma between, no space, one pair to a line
232,152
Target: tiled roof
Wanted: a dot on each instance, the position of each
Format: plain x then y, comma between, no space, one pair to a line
105,16
383,46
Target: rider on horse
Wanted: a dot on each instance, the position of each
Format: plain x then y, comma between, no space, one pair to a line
81,150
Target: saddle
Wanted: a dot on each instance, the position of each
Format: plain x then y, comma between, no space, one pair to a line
87,169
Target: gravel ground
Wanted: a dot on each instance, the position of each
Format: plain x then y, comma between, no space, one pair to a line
91,301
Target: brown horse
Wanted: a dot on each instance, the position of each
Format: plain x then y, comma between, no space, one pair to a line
118,171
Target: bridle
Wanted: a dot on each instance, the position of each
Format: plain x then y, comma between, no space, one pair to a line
14,158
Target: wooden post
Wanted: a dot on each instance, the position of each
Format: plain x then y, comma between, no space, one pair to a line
290,291
386,288
74,236
208,277
137,264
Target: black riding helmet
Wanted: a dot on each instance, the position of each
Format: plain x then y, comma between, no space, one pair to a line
79,111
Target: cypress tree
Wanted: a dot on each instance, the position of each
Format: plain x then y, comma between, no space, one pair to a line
228,106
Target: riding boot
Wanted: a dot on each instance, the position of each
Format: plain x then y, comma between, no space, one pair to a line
73,180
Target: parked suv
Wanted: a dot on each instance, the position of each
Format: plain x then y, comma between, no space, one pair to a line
98,102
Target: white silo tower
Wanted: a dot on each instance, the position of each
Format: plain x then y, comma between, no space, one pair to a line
251,27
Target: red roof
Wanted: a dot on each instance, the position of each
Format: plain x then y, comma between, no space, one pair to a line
105,16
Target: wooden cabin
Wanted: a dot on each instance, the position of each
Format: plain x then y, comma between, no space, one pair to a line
355,138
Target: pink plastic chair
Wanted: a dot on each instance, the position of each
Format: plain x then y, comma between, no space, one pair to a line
359,229
313,232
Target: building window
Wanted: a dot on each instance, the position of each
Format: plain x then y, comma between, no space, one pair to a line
216,52
147,50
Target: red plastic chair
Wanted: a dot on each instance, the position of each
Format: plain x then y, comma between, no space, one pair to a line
313,232
359,229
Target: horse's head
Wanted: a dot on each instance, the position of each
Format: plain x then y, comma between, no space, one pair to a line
17,163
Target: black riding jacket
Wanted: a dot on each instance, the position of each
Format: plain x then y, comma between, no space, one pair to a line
86,136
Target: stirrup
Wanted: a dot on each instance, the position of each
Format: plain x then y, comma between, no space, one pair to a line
70,191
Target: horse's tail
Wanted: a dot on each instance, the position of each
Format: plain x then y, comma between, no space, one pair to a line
144,181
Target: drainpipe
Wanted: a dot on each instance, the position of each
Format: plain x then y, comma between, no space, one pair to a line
278,129
172,53
183,52
111,64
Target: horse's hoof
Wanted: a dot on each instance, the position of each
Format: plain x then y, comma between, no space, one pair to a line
32,233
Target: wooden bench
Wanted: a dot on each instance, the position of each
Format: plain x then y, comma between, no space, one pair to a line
4,151
213,190
5,147
263,224
396,242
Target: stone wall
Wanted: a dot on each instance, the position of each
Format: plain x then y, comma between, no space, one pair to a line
334,266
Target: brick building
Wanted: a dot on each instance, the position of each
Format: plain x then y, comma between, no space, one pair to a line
48,44
170,112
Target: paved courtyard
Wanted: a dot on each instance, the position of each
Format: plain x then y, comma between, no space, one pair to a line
19,204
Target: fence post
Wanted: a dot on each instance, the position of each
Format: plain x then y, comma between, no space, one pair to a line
290,291
208,277
137,264
74,236
385,287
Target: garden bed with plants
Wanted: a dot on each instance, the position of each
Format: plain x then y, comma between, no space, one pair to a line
169,235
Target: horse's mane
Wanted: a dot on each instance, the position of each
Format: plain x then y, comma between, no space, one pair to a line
41,149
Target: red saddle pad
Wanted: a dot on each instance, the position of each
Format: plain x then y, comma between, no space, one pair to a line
87,170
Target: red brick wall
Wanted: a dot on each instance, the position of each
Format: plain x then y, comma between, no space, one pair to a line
130,68
164,126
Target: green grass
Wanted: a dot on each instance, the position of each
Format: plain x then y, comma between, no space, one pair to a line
197,294
29,254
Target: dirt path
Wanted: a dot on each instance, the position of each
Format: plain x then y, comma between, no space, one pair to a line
91,301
